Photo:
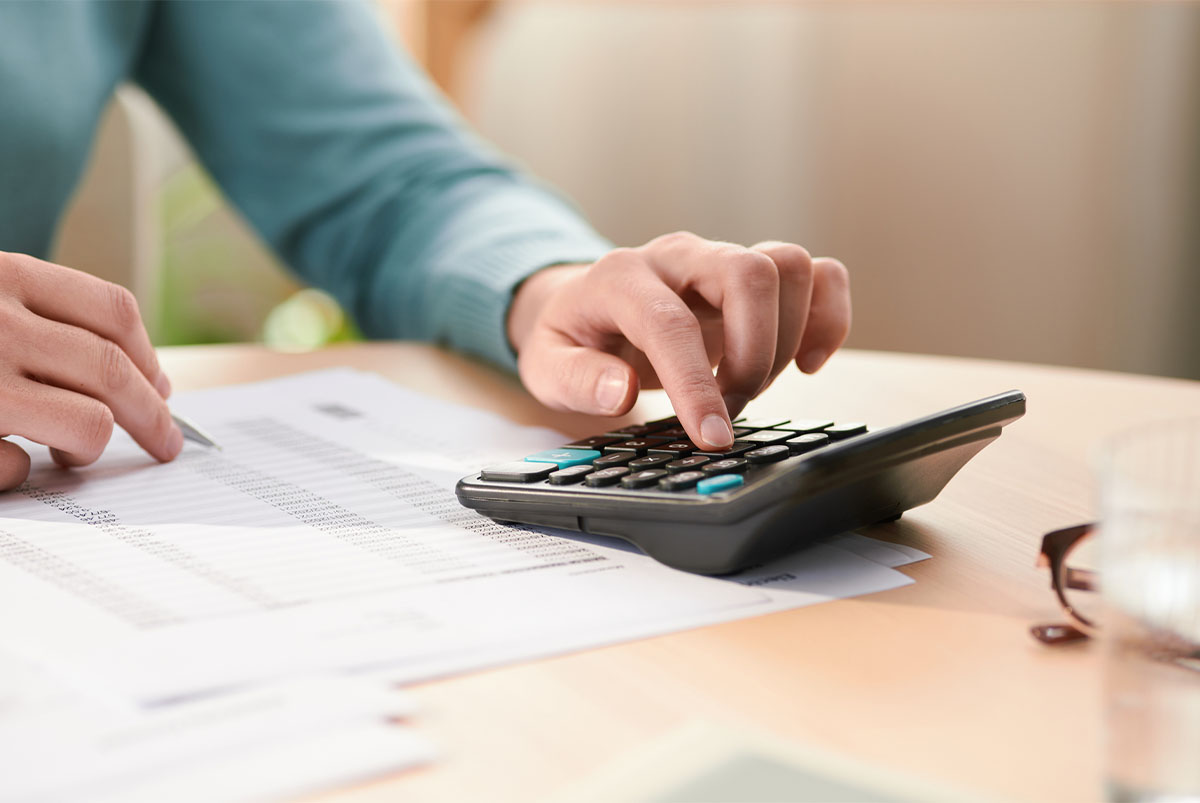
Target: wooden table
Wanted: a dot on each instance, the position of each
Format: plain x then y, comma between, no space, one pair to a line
939,679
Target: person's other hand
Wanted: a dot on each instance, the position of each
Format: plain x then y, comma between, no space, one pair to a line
665,314
74,358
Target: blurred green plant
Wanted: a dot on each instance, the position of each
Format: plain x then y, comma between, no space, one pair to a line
220,284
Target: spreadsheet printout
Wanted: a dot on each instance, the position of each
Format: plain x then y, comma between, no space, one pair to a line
325,536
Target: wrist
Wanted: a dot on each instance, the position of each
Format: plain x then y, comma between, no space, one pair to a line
530,298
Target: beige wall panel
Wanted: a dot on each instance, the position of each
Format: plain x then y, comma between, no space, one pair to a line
1011,180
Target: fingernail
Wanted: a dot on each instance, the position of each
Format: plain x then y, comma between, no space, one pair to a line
812,361
163,385
610,390
174,442
716,432
735,404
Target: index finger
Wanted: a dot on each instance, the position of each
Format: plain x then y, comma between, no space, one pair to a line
660,324
91,303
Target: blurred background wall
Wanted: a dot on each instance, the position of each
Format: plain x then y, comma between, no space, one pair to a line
1016,180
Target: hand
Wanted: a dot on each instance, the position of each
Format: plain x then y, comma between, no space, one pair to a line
74,358
663,315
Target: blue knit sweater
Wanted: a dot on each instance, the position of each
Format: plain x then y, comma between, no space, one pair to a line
328,139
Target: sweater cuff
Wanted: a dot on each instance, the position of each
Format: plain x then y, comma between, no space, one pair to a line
483,297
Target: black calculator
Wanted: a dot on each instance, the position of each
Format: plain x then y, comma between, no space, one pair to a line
784,482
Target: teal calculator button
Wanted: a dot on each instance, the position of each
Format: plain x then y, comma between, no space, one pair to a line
564,458
721,482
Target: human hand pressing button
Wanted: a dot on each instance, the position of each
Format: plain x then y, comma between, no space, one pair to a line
588,337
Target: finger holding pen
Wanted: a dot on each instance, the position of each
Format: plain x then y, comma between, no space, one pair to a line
75,359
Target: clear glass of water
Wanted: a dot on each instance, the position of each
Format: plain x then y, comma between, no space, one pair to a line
1149,557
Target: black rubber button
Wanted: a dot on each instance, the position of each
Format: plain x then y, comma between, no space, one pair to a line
569,475
730,465
806,443
763,437
733,451
674,433
597,442
649,461
614,459
632,431
809,424
675,447
687,463
636,445
762,423
643,479
768,454
605,476
681,482
840,431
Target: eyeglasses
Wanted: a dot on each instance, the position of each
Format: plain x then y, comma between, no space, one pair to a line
1072,583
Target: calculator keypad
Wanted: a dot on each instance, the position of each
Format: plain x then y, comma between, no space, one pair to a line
658,457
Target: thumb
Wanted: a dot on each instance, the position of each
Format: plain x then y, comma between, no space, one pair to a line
14,465
567,376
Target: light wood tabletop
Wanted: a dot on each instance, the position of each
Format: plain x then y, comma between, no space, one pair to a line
939,680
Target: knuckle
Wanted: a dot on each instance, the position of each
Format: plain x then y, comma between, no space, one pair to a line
615,263
671,316
675,240
14,275
754,271
115,368
125,310
794,262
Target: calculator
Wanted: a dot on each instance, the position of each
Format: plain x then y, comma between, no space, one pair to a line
783,484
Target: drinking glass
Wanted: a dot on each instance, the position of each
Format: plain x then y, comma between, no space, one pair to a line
1149,558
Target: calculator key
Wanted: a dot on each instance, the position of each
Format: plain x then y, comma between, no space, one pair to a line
631,431
569,476
762,423
674,433
839,431
649,461
517,471
809,424
605,476
643,479
564,457
690,463
730,465
614,459
763,437
733,451
808,442
636,445
721,482
595,442
675,447
664,423
768,454
680,482
740,431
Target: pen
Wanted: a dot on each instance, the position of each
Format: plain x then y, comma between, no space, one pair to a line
193,433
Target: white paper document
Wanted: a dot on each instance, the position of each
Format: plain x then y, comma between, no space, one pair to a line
325,536
284,738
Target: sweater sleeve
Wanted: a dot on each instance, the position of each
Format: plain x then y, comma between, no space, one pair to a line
354,169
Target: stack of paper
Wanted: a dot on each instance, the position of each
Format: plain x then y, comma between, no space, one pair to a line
282,739
325,539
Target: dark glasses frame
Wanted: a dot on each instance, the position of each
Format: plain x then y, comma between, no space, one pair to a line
1056,546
